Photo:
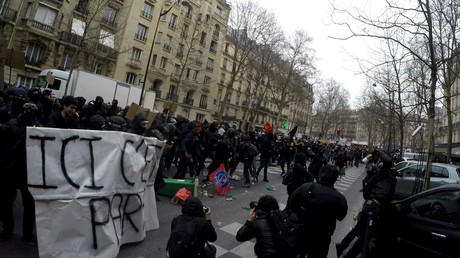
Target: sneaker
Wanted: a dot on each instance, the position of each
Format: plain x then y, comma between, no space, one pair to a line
5,236
31,239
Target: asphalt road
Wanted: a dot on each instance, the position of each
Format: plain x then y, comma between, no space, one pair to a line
227,217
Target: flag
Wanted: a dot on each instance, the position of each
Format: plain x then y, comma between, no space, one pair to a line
220,180
293,132
268,128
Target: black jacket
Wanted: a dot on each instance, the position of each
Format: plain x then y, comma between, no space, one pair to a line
56,120
380,187
323,210
192,212
261,231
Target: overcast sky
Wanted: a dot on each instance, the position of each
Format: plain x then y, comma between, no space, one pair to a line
333,56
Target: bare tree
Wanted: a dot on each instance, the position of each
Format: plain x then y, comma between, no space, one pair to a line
292,71
411,25
248,22
332,106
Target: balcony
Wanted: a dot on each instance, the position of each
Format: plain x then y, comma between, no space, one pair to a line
203,43
198,62
82,8
167,48
71,38
188,101
140,37
203,106
213,50
172,26
134,63
179,54
37,25
8,14
183,34
106,52
171,96
146,15
188,17
109,22
209,68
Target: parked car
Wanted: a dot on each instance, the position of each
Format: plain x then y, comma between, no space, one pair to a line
424,225
405,163
410,178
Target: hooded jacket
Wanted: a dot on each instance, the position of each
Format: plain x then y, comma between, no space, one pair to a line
192,212
299,173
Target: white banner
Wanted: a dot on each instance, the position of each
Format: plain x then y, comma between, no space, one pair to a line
93,190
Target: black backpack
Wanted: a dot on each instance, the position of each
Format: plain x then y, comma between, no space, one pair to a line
182,242
287,227
288,176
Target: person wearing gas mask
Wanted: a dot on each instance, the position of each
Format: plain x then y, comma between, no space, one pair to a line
378,193
14,173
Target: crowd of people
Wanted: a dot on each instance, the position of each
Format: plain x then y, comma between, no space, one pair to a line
188,145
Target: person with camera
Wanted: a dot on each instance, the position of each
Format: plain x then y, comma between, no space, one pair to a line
191,231
378,193
257,226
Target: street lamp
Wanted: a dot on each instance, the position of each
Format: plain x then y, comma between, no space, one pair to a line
162,13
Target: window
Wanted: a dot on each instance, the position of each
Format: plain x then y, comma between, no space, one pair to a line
187,73
227,45
213,47
172,90
107,39
195,75
26,82
130,78
222,78
172,22
203,100
224,65
207,80
34,53
45,15
98,68
141,33
203,38
167,45
154,60
163,62
184,33
66,60
439,172
441,206
210,64
78,27
163,18
218,10
177,69
199,117
136,54
147,11
216,31
109,16
159,36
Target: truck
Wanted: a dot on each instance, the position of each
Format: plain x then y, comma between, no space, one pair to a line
89,85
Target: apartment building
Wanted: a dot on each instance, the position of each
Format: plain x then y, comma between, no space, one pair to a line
115,37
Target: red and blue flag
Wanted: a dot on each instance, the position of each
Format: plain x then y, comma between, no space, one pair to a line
221,180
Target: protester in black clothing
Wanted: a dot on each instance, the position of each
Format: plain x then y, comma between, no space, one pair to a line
114,109
189,150
265,150
287,155
257,226
247,153
193,213
315,164
319,212
96,122
139,124
65,118
17,100
4,116
233,143
300,174
14,173
116,123
378,192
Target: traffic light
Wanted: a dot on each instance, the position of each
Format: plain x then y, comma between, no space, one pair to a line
338,131
285,124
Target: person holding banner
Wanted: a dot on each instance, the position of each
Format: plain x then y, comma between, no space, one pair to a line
14,176
67,117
